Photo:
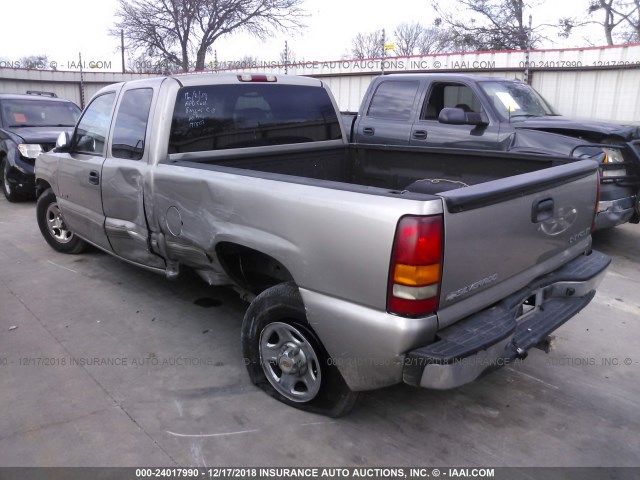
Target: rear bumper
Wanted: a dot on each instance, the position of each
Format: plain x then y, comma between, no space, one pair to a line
612,213
493,337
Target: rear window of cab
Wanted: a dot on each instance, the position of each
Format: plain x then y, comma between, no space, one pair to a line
219,117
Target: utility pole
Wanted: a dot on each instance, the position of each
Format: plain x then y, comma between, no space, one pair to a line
526,58
286,57
81,82
122,49
383,51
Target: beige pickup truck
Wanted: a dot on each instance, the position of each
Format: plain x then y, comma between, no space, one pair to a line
366,266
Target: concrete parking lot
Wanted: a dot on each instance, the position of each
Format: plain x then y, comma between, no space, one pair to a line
113,366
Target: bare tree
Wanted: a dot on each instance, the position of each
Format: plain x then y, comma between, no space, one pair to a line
39,62
407,38
490,25
247,62
146,64
567,25
437,40
632,19
610,20
416,39
618,13
179,31
367,45
139,64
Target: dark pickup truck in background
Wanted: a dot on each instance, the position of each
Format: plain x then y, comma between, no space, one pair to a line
489,113
29,125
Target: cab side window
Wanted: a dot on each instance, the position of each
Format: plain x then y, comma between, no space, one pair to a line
394,100
93,129
131,124
449,95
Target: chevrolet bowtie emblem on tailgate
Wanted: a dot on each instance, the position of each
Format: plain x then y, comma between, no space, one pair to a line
564,218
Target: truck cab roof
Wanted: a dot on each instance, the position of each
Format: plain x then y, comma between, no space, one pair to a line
446,77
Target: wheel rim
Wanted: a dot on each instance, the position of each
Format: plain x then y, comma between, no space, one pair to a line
290,362
56,226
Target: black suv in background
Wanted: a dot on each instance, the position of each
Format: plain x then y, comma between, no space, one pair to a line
29,125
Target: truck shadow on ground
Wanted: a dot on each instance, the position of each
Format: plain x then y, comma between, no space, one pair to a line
488,422
620,241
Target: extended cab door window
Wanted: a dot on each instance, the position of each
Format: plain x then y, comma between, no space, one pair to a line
391,113
125,176
131,124
394,100
91,134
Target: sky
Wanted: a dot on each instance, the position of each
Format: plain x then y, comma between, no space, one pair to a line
63,28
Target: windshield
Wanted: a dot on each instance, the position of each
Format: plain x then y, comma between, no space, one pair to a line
38,113
513,100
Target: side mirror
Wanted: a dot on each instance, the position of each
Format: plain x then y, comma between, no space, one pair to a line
86,143
452,116
63,142
475,118
457,116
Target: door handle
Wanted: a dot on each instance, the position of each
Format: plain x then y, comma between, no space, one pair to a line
368,131
542,210
420,134
94,177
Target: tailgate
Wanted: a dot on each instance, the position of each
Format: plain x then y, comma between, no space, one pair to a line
500,235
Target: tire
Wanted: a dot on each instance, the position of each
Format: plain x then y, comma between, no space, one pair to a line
8,191
277,337
53,228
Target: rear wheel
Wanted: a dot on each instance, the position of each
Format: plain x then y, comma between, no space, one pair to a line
53,227
7,188
286,359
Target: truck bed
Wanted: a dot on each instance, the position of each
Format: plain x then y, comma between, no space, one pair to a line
491,218
391,168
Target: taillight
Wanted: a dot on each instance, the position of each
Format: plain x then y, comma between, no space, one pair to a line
416,266
595,210
613,156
